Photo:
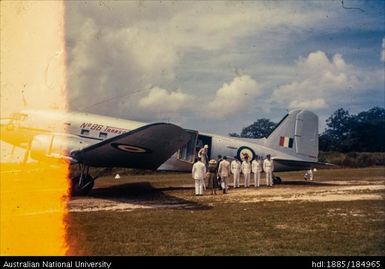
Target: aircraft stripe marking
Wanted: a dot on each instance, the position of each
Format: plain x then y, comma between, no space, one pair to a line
291,140
286,142
245,151
130,148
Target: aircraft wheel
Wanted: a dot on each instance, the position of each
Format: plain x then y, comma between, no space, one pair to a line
277,180
84,188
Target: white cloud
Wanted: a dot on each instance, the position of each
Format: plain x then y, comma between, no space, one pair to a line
115,48
308,104
165,103
383,50
321,79
235,97
210,27
232,99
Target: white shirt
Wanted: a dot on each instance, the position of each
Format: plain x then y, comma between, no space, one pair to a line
309,174
246,167
268,165
224,168
255,166
198,170
202,154
235,166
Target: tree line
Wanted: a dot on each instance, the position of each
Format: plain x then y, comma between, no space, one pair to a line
345,132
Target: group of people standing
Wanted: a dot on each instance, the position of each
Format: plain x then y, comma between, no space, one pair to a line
218,172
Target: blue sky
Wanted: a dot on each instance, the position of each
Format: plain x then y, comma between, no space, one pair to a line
219,66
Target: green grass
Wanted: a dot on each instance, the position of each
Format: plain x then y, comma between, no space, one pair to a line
215,228
353,159
233,229
371,173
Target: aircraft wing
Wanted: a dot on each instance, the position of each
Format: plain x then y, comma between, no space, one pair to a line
144,148
293,165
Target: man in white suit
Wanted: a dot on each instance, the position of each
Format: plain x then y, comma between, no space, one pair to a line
246,170
236,171
268,167
256,168
198,174
224,172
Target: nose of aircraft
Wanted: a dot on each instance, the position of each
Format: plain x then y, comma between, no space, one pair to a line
4,122
7,130
6,125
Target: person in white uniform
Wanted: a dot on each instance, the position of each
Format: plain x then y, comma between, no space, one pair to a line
268,167
224,172
203,155
236,171
256,168
198,174
246,170
309,174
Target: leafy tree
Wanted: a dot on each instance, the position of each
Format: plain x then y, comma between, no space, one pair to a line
259,129
339,127
368,131
362,132
339,124
326,143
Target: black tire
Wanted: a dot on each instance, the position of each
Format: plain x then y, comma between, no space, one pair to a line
277,180
88,184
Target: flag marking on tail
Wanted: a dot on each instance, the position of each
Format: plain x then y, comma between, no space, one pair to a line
286,142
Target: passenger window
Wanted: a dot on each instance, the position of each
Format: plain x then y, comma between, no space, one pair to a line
85,132
102,135
19,116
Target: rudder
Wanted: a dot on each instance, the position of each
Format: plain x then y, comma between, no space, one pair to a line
296,134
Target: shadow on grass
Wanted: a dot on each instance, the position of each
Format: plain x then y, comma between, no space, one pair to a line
145,193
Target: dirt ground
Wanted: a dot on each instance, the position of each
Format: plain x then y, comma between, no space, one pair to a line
341,212
124,194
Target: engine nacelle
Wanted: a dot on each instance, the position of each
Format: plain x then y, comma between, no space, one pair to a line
59,146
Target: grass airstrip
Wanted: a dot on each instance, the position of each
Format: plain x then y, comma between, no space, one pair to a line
341,212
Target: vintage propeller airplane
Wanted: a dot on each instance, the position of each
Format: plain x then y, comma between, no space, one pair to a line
90,140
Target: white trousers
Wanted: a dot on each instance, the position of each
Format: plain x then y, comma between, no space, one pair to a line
247,179
269,178
225,180
236,179
257,178
199,186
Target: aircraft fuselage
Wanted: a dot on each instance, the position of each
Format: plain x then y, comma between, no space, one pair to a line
85,129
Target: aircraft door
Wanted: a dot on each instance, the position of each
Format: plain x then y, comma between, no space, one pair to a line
187,152
204,140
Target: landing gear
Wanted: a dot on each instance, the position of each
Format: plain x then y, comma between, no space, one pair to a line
83,183
276,180
27,153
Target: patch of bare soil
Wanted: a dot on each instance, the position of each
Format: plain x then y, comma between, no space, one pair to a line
123,198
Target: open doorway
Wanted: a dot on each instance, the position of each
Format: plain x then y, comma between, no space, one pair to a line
190,150
203,140
187,152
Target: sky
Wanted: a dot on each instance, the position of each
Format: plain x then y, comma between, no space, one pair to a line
32,61
219,66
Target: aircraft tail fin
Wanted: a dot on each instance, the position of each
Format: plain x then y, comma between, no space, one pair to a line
296,134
